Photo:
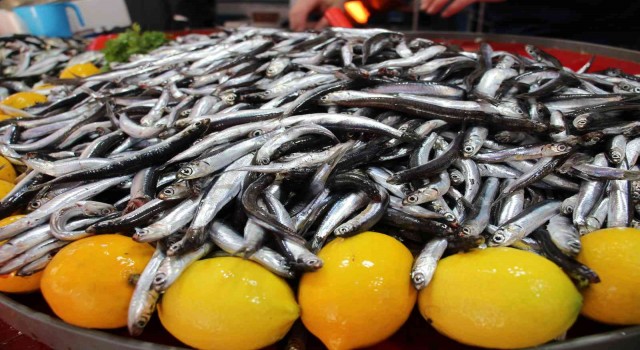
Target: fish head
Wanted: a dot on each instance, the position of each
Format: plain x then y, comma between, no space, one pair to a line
420,196
160,279
272,71
456,177
229,98
471,147
419,280
256,132
450,217
311,262
506,235
177,190
591,138
581,121
616,155
343,229
558,148
508,137
623,87
542,110
574,246
140,232
138,320
263,160
186,172
167,193
635,190
506,62
97,209
333,97
153,230
395,37
531,50
35,204
469,230
512,109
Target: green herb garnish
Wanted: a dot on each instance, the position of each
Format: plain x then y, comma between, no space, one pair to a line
133,41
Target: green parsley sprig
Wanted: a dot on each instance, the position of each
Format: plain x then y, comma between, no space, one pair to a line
133,41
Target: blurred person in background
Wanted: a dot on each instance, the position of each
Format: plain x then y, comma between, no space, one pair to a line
608,22
172,14
198,13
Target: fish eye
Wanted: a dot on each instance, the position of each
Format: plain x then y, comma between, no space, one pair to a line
562,148
418,278
168,191
35,204
498,238
466,231
106,211
186,171
314,262
636,90
519,110
625,87
343,229
412,199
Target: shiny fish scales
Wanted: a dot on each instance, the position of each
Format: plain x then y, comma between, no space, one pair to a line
336,106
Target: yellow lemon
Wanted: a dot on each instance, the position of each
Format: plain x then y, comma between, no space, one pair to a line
18,284
361,295
79,71
5,187
22,100
44,87
5,116
614,254
500,298
87,283
228,303
10,220
11,283
7,172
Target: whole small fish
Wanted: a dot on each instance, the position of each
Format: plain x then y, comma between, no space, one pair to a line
426,263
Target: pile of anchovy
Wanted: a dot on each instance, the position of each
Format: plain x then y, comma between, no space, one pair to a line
25,58
266,144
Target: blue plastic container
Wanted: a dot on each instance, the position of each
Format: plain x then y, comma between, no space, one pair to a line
48,19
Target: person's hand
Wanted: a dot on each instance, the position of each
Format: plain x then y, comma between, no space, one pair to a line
300,11
434,6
